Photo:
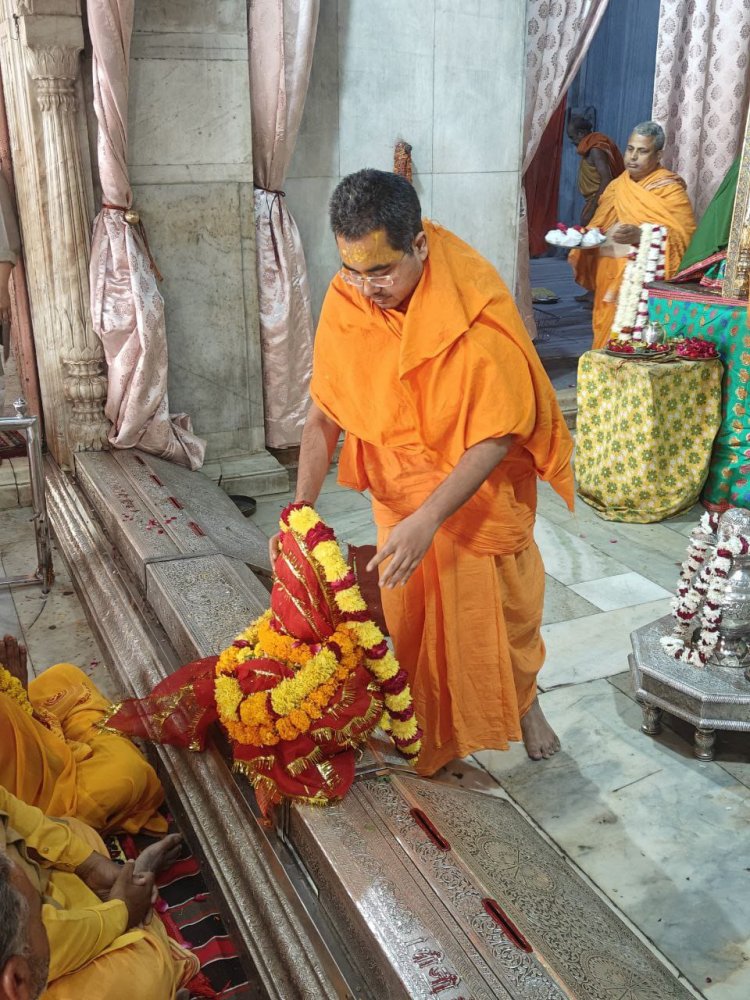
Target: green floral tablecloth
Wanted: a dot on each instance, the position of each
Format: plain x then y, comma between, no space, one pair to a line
644,434
684,313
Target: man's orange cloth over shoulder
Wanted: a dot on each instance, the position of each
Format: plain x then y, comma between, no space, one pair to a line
414,391
658,198
598,140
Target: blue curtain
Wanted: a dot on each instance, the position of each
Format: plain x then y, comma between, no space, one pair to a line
617,78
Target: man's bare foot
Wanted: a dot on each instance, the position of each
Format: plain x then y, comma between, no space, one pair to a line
160,855
538,735
13,658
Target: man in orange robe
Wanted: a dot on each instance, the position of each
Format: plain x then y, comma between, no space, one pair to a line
646,192
422,358
601,162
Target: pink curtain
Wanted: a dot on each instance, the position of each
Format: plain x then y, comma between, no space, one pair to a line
558,35
127,309
701,90
281,41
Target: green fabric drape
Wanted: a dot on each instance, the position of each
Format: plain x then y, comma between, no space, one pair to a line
712,234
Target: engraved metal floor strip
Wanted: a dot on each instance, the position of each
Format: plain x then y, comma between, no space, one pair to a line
440,891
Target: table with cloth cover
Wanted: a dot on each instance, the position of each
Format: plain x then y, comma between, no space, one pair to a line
644,434
686,311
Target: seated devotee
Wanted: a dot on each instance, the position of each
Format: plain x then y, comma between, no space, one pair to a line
601,162
646,192
55,757
77,921
422,358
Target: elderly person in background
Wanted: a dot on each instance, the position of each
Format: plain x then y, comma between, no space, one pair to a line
601,162
646,192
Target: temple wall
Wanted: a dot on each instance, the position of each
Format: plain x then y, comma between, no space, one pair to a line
445,75
191,171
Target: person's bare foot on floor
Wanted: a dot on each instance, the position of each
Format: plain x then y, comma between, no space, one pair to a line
538,735
13,658
160,855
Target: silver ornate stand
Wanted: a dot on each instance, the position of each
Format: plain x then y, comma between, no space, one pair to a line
712,699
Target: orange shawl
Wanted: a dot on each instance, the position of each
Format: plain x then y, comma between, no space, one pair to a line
659,198
598,140
415,390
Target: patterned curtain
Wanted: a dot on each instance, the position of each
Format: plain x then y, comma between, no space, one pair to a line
281,39
127,310
701,90
558,33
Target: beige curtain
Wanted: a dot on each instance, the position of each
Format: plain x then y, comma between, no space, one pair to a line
282,37
558,35
127,310
701,90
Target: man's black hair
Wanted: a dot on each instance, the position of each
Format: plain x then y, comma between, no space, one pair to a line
375,199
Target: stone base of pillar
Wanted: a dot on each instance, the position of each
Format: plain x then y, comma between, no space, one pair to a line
253,475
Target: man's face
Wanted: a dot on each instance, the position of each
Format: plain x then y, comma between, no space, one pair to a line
372,257
641,157
25,976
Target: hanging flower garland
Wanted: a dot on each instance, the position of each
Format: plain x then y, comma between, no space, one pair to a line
646,263
399,717
702,583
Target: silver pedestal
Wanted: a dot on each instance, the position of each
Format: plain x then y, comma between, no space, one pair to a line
712,698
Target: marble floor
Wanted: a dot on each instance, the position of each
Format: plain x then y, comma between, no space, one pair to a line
663,837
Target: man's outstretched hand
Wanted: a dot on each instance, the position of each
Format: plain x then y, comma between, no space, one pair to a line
406,547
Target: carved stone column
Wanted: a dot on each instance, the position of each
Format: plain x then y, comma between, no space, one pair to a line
40,60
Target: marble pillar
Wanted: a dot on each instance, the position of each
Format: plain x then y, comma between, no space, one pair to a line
190,161
40,46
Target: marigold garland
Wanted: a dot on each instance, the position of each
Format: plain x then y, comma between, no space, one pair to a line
294,703
380,661
14,689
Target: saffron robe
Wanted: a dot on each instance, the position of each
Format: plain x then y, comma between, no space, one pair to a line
589,178
70,767
658,198
92,954
414,391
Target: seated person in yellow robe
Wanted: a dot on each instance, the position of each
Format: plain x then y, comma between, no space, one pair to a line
59,760
646,192
103,939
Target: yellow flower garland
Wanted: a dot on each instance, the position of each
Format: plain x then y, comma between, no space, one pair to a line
297,701
302,520
290,708
14,689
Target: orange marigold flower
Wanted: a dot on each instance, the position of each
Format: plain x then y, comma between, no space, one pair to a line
286,729
300,719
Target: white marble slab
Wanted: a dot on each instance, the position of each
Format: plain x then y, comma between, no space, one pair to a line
561,604
622,591
571,559
478,68
53,627
595,646
664,836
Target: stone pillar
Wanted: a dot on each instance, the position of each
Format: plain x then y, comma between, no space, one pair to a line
40,46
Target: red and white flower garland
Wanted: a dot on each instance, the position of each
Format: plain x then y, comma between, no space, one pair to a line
702,581
645,264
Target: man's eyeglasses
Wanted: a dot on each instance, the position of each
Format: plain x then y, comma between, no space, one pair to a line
374,281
